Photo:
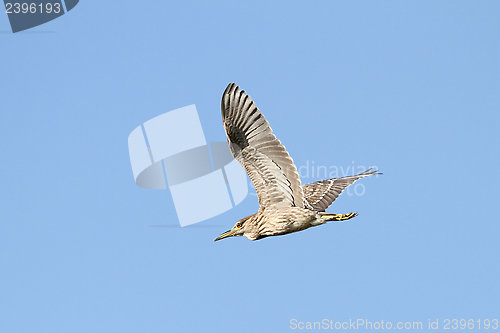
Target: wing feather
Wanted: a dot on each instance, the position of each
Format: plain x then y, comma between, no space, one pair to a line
254,146
320,195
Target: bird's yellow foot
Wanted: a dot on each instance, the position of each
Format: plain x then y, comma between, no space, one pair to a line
343,217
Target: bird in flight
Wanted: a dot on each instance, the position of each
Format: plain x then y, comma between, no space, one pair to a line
285,206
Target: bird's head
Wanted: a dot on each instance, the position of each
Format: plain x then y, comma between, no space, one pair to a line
241,228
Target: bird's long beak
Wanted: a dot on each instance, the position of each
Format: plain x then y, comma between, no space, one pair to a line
228,233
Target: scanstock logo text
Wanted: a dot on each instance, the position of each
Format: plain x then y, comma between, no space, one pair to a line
24,14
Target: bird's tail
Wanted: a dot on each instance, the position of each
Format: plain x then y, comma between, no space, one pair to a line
337,217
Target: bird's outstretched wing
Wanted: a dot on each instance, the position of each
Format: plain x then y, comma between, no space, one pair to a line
320,195
255,147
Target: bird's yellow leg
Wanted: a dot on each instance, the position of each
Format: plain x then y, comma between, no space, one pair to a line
340,217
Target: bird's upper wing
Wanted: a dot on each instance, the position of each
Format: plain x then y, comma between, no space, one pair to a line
255,147
320,195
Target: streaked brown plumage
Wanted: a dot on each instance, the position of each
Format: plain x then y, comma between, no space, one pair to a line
285,206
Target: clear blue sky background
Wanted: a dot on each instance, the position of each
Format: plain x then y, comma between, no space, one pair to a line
410,87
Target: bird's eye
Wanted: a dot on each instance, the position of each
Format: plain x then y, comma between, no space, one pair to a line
238,225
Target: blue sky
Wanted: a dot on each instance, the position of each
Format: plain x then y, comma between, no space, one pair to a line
410,87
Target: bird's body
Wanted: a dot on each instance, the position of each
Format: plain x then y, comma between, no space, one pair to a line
279,221
282,221
286,206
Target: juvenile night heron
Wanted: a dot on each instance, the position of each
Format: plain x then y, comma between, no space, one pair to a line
285,206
